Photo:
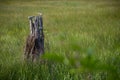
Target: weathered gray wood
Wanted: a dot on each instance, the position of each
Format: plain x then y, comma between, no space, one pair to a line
31,24
35,40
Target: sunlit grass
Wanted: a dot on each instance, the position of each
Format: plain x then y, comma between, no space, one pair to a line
74,30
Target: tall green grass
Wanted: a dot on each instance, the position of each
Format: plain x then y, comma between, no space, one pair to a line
81,40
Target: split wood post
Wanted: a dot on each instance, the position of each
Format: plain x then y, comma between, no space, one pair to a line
35,41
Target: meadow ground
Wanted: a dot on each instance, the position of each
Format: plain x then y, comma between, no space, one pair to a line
82,40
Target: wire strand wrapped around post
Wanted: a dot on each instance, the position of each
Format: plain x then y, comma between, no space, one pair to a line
35,41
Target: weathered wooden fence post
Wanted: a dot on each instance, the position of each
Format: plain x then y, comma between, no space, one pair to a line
35,41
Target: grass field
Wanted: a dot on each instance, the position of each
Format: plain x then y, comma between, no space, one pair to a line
82,40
